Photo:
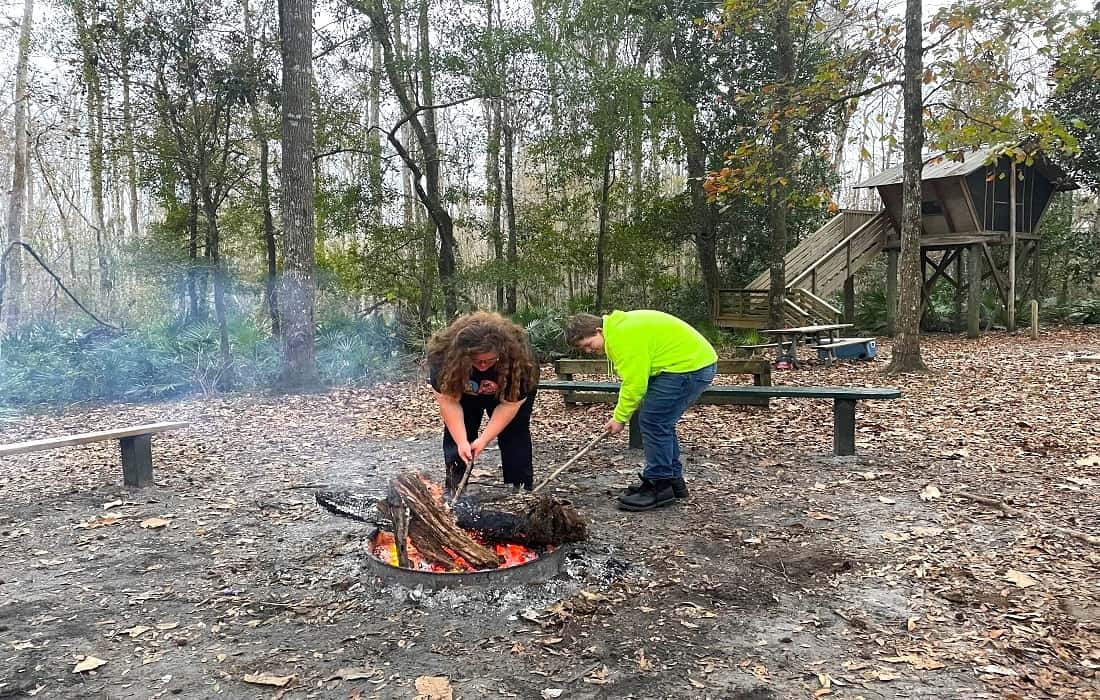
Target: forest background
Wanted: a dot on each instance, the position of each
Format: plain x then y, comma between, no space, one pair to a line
218,195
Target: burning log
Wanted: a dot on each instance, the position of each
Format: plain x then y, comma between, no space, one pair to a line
432,529
471,533
535,520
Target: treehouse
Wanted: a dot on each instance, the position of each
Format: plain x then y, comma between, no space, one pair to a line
969,211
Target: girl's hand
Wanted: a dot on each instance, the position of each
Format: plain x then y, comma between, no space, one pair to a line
465,452
477,447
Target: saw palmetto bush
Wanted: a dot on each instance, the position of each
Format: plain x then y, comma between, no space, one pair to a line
43,364
353,350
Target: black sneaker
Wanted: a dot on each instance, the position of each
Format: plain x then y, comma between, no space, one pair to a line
651,494
679,486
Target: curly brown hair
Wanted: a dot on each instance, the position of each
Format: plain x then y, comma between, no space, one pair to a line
453,348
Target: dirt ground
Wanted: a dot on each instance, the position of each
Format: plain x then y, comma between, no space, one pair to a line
787,574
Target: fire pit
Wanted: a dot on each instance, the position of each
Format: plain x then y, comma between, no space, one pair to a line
521,565
422,539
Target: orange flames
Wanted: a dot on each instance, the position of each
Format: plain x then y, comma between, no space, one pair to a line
383,547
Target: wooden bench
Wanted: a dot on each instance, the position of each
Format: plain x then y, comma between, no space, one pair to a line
751,349
136,442
828,351
761,371
844,403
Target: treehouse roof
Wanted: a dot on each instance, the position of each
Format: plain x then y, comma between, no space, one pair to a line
944,167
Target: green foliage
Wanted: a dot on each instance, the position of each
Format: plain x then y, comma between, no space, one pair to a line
546,331
1079,311
44,364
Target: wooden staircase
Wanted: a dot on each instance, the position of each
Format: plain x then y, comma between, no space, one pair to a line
815,268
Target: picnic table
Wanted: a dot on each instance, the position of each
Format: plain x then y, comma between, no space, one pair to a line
788,339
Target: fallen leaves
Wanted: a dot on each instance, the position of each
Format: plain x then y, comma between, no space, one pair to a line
433,688
155,523
97,522
88,663
930,493
921,663
1021,579
268,679
356,673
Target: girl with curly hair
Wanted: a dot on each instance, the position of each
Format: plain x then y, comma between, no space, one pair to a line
482,363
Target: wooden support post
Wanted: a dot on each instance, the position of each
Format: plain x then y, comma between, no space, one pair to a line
137,460
1010,306
1036,271
635,432
1034,319
844,427
891,289
958,282
849,299
974,289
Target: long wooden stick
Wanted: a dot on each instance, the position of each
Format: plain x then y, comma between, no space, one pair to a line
568,464
462,484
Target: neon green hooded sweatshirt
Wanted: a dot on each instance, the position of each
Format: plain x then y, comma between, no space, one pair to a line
642,344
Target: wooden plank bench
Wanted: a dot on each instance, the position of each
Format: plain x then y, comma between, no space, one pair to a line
136,442
761,371
751,349
828,351
844,403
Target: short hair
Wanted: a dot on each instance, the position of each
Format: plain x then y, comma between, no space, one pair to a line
581,326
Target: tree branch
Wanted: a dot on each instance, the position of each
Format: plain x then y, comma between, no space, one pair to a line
4,276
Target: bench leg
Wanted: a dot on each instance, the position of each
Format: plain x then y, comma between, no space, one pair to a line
844,427
635,432
137,460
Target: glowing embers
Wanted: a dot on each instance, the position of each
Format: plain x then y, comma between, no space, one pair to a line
383,547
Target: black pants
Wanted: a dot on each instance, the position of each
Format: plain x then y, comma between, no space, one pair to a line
514,440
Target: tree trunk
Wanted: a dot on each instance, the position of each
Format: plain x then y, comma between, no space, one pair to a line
429,193
493,193
374,143
433,175
906,356
271,295
703,223
197,301
702,218
13,310
781,165
213,241
510,212
94,103
124,8
602,209
296,295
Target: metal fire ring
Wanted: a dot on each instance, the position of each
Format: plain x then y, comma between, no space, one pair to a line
547,566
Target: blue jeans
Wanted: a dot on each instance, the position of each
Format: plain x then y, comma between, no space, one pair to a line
668,396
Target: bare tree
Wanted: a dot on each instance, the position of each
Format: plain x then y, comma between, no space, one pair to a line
296,293
18,193
906,356
94,99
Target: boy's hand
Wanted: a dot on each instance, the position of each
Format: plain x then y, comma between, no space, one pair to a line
613,427
465,452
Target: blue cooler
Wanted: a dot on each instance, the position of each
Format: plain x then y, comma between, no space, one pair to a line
861,351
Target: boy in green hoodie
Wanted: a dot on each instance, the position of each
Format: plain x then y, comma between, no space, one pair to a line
665,365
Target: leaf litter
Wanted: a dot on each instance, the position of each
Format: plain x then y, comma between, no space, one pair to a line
776,577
